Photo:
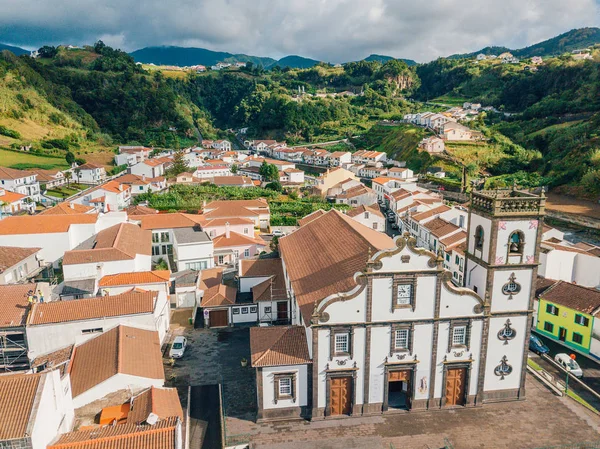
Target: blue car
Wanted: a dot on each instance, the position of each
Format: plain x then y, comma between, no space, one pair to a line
537,345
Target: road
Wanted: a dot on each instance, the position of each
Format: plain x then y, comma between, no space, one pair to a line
591,371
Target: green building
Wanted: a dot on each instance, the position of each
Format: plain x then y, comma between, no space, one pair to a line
567,314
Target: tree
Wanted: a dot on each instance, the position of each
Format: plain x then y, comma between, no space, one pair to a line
234,169
47,51
70,158
180,165
274,185
269,172
274,245
68,177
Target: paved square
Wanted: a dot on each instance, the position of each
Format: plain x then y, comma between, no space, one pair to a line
543,420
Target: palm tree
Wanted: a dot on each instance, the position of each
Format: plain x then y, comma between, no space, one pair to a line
68,177
3,204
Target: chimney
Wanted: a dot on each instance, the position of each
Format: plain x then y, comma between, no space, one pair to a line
203,204
143,177
227,233
72,206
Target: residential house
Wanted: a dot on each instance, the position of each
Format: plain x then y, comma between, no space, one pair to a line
400,173
368,215
292,177
218,301
567,314
18,265
193,249
454,257
357,196
380,327
122,248
264,281
371,171
132,155
435,230
368,157
330,178
231,247
49,179
137,364
54,234
150,168
57,324
68,208
186,287
317,157
207,172
432,145
141,184
453,131
12,203
34,409
108,197
256,210
20,181
223,145
232,181
571,263
342,186
89,174
383,187
537,60
185,178
340,158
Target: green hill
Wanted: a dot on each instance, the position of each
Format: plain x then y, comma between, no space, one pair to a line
383,59
295,62
16,50
564,43
184,57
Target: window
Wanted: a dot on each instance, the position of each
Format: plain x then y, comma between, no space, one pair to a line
246,230
246,252
577,338
236,311
213,233
582,320
515,243
447,257
252,309
548,326
91,331
512,287
475,288
459,336
156,250
268,309
155,237
404,294
244,310
342,343
220,260
401,339
285,386
552,309
164,237
479,238
367,215
202,265
456,260
375,226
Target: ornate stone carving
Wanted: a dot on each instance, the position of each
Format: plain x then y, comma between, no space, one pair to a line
512,287
341,362
507,333
504,369
323,317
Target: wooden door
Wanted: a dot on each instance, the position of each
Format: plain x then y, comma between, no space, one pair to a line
455,386
562,334
282,310
218,318
340,395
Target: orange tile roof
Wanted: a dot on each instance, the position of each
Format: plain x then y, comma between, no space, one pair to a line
11,255
312,216
134,303
17,397
11,197
231,180
430,213
140,210
440,227
373,209
383,179
121,350
236,239
152,162
58,358
454,238
89,166
400,194
163,402
119,242
278,346
273,288
161,435
223,221
11,173
14,306
342,245
215,293
67,208
167,221
43,224
355,191
140,277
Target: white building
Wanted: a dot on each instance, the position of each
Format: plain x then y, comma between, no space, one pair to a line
89,174
131,155
340,158
150,168
368,215
387,330
20,181
57,324
109,197
18,264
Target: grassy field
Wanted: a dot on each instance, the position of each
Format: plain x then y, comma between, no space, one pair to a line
450,99
398,142
484,155
22,161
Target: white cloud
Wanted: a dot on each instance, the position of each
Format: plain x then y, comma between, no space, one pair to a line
333,30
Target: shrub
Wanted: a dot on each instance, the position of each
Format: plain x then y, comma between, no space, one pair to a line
9,132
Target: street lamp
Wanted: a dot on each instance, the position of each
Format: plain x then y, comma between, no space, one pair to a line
573,357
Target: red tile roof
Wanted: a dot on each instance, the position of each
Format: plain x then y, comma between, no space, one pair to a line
17,398
167,221
14,306
372,209
43,224
215,293
310,217
10,197
12,255
236,239
582,299
139,277
66,208
163,402
133,303
11,173
121,350
274,287
278,346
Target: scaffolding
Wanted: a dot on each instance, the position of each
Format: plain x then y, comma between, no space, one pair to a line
13,350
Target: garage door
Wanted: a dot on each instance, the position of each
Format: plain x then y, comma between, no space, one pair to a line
218,318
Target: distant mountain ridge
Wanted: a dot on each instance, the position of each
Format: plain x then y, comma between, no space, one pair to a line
16,50
383,59
566,42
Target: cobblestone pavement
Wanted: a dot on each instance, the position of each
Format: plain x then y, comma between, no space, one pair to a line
542,420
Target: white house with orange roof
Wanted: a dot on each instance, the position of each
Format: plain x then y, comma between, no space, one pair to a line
89,173
256,210
205,172
131,155
340,158
20,181
231,247
116,284
151,168
142,184
317,156
13,203
223,145
54,234
369,157
109,197
50,178
400,173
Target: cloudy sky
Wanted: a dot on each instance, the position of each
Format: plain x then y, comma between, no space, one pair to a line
330,30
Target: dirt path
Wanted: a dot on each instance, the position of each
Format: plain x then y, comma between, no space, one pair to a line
569,205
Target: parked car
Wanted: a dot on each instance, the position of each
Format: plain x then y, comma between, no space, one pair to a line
391,219
395,226
278,233
178,347
569,364
537,345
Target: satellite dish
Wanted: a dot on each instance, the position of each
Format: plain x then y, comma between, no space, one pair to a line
152,419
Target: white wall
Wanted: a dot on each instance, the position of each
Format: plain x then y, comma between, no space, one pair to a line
269,387
98,269
246,283
486,224
53,246
54,414
244,317
195,252
118,382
